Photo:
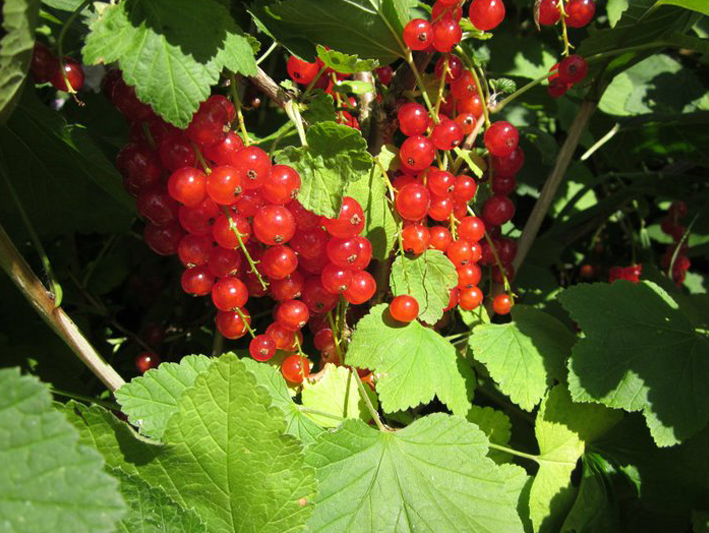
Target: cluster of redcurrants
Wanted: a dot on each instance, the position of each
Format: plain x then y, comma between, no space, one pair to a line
629,273
45,68
567,73
578,13
237,227
673,227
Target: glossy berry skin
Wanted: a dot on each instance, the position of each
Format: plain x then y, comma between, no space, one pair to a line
74,74
464,189
472,229
224,185
229,294
440,208
412,202
440,182
199,219
222,151
156,205
279,262
284,338
350,221
262,347
310,243
335,279
440,238
415,238
281,185
464,87
301,71
316,297
323,339
225,228
385,74
447,135
295,368
253,166
501,138
503,185
486,15
304,219
579,13
44,63
502,304
231,325
361,288
207,127
353,253
417,153
223,262
273,224
469,299
573,69
197,281
163,240
188,186
468,276
292,314
467,122
549,13
461,253
288,288
418,34
404,308
413,119
249,202
508,165
455,67
126,101
176,152
146,360
446,34
441,10
194,250
498,210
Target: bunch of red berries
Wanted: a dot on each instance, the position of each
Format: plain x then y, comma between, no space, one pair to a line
577,13
629,273
673,227
233,219
45,68
567,73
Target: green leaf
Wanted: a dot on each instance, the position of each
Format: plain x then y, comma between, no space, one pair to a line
640,353
413,363
503,85
700,6
335,155
523,356
59,174
563,430
297,422
429,278
380,225
151,510
151,399
171,61
224,432
365,28
48,481
63,5
430,476
345,63
615,9
19,20
352,87
336,393
320,108
497,428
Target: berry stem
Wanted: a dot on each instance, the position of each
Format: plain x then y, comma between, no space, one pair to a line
310,86
43,302
519,92
82,398
335,337
60,42
368,402
270,49
252,263
685,235
293,113
248,326
442,85
564,29
200,158
237,105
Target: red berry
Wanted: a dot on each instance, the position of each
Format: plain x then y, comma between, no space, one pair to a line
146,360
262,347
288,288
413,119
281,186
447,135
464,87
453,298
295,368
361,288
231,325
557,88
446,34
404,308
163,240
44,63
572,69
222,151
126,101
156,205
278,262
472,229
417,153
502,304
418,34
385,74
579,13
284,338
473,105
499,275
292,314
225,230
273,224
301,71
441,208
223,262
465,188
207,127
304,219
486,14
461,253
323,339
455,67
503,185
249,202
199,219
549,13
229,294
469,299
468,276
466,121
501,138
316,297
188,186
310,244
74,75
498,210
252,164
350,221
441,10
440,182
509,165
353,253
440,238
412,202
177,152
197,281
224,185
335,279
140,166
415,238
194,250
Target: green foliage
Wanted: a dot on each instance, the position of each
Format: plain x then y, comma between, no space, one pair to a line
659,376
19,20
497,428
695,5
404,481
48,479
413,363
523,356
344,63
334,156
172,62
321,108
428,277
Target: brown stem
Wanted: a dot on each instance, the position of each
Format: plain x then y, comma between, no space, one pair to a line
270,88
534,222
43,302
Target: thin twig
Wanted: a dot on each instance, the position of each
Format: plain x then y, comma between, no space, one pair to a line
270,88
